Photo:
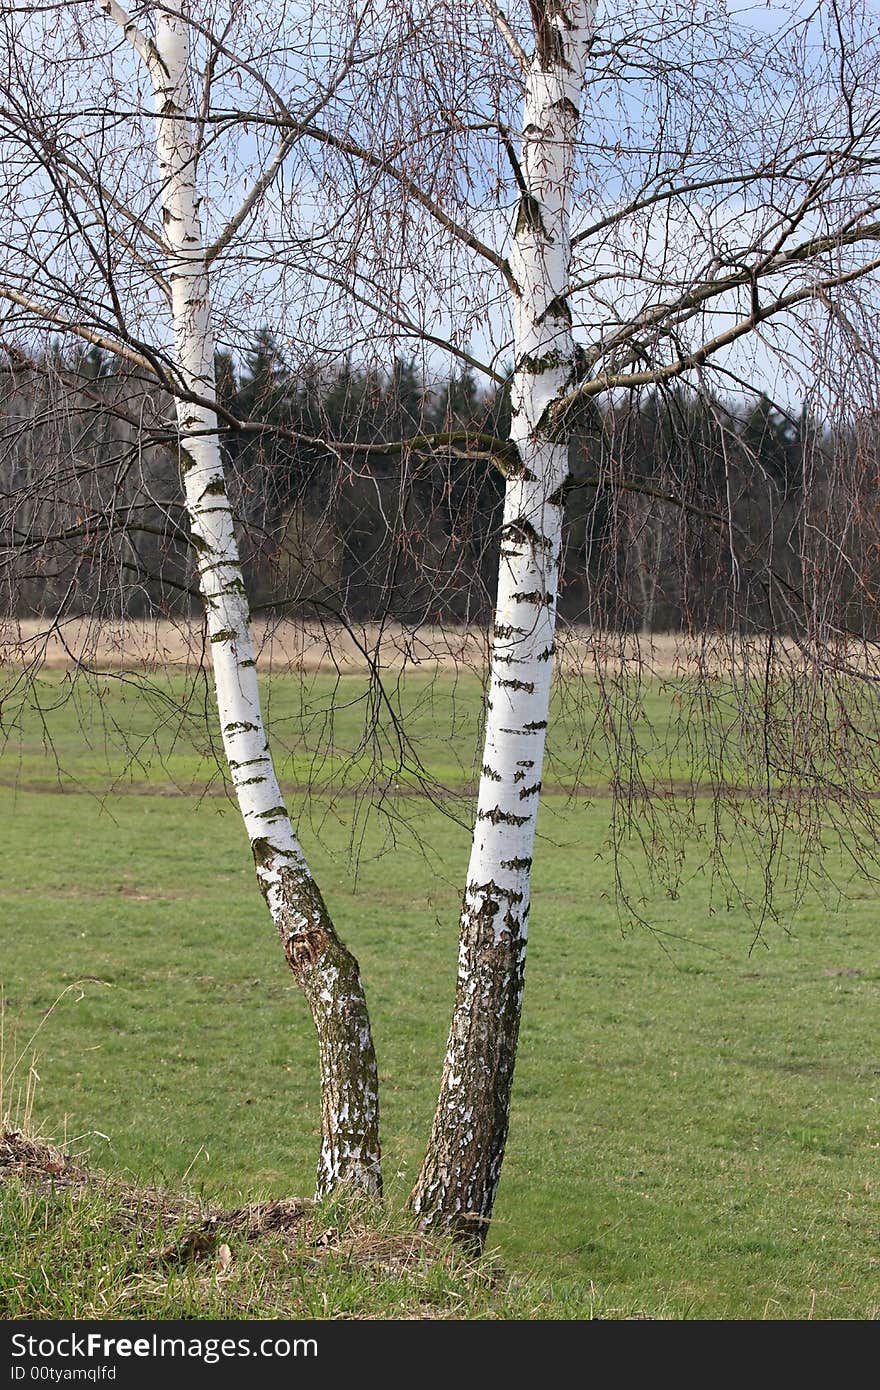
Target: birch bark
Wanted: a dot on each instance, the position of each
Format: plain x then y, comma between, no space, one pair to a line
459,1177
325,970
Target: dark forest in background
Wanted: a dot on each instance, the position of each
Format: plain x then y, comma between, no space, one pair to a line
684,512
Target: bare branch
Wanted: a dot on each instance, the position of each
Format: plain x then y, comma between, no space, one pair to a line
143,46
561,412
672,311
389,169
79,330
502,24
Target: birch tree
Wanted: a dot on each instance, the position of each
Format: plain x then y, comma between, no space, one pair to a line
752,214
323,967
461,1170
553,378
321,964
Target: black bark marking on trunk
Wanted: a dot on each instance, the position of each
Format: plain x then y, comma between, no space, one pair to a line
497,817
546,654
557,498
558,308
528,686
518,473
523,532
536,366
526,792
226,634
494,890
525,762
264,852
305,948
239,726
531,596
568,108
216,564
549,38
490,772
273,813
528,217
535,726
517,864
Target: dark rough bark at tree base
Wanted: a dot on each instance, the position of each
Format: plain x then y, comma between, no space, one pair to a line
456,1187
349,1074
329,977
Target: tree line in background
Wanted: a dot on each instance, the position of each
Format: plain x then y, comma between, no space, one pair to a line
376,495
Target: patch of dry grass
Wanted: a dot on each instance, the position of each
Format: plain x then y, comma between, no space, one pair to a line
310,647
77,1243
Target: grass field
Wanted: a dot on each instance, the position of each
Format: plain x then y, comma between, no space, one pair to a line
695,1121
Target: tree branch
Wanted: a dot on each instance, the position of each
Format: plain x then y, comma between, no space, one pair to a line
673,310
144,47
559,412
89,335
502,24
285,145
384,166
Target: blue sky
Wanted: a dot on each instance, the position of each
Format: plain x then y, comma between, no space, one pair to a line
730,97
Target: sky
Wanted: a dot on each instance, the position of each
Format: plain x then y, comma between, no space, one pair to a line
724,102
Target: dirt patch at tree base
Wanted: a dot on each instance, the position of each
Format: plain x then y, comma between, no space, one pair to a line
189,1230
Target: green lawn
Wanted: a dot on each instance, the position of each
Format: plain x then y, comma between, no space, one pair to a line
695,1122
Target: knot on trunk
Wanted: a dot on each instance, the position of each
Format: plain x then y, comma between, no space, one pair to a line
303,949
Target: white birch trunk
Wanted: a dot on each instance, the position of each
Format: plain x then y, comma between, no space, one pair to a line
456,1187
326,971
